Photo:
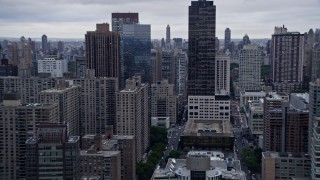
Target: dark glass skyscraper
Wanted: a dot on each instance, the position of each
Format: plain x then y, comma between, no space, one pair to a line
137,51
227,39
202,32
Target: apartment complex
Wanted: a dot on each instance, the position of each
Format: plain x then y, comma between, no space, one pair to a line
132,117
97,103
287,58
18,123
52,154
68,98
27,88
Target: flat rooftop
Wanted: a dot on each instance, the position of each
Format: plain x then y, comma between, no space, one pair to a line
214,128
285,155
100,153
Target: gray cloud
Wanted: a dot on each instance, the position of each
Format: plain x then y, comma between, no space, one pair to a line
72,18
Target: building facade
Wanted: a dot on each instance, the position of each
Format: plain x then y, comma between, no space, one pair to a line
52,154
18,123
164,101
250,67
132,113
136,40
222,74
55,67
277,165
68,98
201,50
287,59
103,51
119,19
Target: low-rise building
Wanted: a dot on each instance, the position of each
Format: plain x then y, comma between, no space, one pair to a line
210,165
207,135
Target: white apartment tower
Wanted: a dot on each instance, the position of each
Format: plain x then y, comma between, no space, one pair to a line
132,116
250,68
222,74
164,101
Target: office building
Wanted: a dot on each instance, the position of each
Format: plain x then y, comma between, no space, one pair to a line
44,42
60,46
132,117
137,51
209,108
119,19
97,103
168,37
18,123
68,98
52,154
164,101
250,68
276,165
181,60
81,66
27,88
201,50
209,165
222,74
227,39
287,59
103,51
55,67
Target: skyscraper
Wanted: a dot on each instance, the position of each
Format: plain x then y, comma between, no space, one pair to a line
201,54
136,56
44,43
103,51
287,59
227,39
119,19
168,36
250,67
246,40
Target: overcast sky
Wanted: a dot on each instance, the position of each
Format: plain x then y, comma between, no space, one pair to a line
72,18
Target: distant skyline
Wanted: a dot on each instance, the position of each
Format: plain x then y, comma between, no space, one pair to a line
73,18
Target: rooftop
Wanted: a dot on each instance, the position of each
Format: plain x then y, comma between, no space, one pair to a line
100,153
285,155
214,128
